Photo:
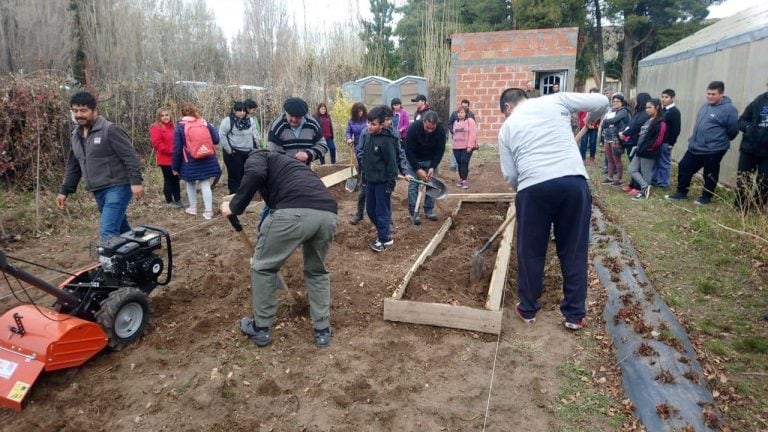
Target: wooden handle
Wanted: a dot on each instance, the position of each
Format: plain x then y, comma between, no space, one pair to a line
579,135
499,231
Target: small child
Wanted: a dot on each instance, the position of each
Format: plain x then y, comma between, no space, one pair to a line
379,165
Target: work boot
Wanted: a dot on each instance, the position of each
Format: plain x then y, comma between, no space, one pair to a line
261,336
355,219
323,337
431,215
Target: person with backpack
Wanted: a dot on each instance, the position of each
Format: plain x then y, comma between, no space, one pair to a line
192,159
648,149
753,155
103,156
240,138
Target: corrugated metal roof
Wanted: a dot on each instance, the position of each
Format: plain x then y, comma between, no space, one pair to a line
744,27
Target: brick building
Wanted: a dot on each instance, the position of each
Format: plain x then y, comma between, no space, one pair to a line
484,64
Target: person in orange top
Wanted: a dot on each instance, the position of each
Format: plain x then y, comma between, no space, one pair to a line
161,137
464,143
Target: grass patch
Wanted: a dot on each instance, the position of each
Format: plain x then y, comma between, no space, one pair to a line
708,264
578,402
706,287
752,344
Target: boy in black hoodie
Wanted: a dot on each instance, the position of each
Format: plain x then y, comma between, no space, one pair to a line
380,174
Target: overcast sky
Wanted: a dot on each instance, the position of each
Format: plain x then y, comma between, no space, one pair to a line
229,13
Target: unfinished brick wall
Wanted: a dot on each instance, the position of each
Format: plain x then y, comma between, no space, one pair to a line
484,64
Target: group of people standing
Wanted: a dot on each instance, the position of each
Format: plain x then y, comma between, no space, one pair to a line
648,133
238,134
645,134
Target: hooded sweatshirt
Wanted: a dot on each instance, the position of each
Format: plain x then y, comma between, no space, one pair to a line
715,127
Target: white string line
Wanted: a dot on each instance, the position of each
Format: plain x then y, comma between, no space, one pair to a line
495,359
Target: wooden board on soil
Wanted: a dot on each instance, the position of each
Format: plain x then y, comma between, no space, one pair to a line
438,291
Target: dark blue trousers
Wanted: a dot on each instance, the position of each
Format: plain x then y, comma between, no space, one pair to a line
378,204
566,203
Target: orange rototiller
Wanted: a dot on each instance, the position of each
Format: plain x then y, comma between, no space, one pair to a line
104,304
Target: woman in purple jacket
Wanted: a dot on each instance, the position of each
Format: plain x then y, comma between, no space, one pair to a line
193,170
355,126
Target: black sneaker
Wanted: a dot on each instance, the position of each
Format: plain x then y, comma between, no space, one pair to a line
354,220
677,196
431,216
323,337
703,200
261,336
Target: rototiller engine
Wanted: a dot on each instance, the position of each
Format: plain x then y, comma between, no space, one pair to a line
104,304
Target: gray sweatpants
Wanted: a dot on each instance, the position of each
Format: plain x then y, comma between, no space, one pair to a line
282,232
641,170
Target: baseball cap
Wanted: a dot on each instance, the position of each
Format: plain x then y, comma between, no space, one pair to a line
420,97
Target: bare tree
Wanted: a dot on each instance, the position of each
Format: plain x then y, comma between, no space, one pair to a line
31,35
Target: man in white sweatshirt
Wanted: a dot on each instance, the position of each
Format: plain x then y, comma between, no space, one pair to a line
540,158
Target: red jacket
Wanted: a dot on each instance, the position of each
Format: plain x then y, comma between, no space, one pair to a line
161,137
583,118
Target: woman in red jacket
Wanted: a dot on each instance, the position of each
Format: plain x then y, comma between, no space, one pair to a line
161,137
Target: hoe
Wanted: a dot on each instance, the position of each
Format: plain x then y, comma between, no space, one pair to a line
102,305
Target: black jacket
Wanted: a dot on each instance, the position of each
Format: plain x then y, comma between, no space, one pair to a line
421,146
380,158
283,182
673,119
648,144
633,128
613,125
754,125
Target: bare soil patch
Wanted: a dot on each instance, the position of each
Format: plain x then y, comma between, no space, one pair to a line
194,370
445,276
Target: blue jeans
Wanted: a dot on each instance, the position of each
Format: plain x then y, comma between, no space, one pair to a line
663,167
331,151
413,189
379,206
589,140
112,203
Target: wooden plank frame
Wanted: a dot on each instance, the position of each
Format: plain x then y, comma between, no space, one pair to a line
486,320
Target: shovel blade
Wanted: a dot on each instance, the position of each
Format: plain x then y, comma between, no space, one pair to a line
476,267
351,184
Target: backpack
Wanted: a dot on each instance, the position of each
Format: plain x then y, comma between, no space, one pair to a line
199,141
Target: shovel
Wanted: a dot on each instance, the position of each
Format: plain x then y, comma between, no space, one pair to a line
235,222
435,188
580,135
351,183
476,268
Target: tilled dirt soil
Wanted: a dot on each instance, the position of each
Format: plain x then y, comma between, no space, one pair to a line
194,371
